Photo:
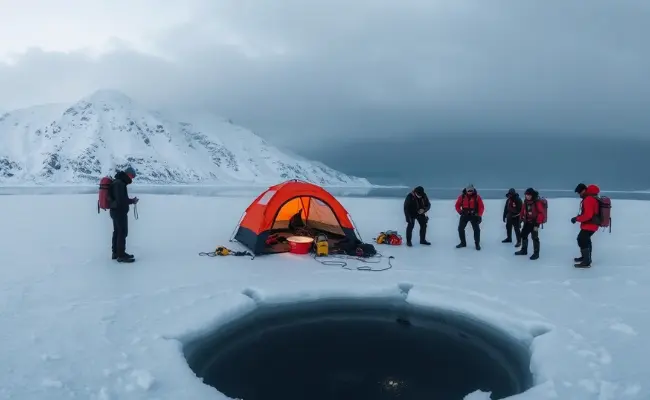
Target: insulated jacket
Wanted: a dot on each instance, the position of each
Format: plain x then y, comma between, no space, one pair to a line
470,205
589,208
532,211
119,194
512,208
412,204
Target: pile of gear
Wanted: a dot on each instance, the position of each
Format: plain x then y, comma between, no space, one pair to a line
389,237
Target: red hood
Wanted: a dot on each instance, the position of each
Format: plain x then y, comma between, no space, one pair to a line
592,190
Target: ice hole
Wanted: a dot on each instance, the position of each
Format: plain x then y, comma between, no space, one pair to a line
358,349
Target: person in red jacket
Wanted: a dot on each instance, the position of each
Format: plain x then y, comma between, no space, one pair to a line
589,209
532,213
470,208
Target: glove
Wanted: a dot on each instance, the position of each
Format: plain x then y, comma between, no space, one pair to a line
479,219
573,220
135,200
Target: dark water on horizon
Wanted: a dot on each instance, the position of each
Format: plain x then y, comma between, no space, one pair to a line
493,162
487,194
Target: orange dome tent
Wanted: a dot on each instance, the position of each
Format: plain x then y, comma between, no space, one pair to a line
271,211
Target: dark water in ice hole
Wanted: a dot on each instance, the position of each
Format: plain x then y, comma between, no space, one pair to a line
341,350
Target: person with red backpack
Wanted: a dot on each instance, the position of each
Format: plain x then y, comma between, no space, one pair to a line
532,213
119,209
469,206
589,208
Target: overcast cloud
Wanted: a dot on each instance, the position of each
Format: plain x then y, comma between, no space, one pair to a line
373,67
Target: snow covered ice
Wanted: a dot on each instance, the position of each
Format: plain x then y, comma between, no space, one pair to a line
75,324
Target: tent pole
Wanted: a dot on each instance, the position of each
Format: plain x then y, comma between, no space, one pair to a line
355,227
234,232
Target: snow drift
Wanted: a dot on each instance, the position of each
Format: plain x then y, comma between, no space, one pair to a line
79,143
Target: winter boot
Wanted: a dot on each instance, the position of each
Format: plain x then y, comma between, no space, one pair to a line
578,259
127,255
461,245
507,240
518,244
478,246
586,259
124,259
424,242
535,255
409,244
524,248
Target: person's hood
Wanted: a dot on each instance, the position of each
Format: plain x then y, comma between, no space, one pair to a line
121,175
532,192
419,191
592,190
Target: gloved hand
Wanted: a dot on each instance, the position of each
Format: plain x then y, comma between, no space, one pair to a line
479,219
573,220
135,200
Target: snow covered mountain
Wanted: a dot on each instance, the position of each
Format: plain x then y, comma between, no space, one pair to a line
80,143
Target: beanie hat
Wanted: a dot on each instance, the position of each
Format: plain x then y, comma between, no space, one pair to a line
580,187
130,171
511,192
530,191
419,190
469,187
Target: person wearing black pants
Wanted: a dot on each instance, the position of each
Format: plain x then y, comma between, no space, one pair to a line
416,205
470,207
584,242
588,212
119,210
511,217
532,213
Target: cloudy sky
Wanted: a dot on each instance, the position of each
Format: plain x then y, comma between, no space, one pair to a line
344,68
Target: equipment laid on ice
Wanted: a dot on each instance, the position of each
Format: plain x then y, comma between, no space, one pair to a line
389,237
321,245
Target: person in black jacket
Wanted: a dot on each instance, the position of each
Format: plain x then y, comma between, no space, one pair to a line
416,205
119,210
511,211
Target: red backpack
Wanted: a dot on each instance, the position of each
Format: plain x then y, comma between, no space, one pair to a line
604,217
104,202
545,206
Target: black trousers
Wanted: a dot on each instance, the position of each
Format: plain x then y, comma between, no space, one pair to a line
513,222
422,221
120,232
584,239
529,230
462,224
